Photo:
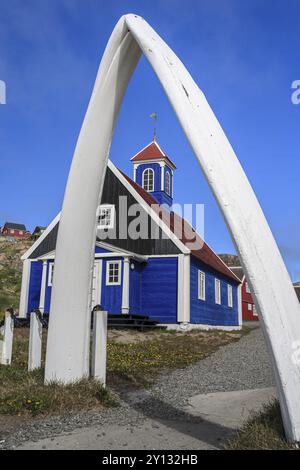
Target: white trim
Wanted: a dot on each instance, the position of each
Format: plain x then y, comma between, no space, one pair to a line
125,290
139,199
108,282
153,180
164,160
148,208
112,209
50,274
167,174
43,287
96,283
135,167
162,175
240,304
41,238
229,296
201,276
183,289
24,288
198,326
218,292
148,145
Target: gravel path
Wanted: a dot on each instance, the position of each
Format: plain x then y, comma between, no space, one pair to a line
238,366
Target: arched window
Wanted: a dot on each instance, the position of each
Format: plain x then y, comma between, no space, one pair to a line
148,179
168,183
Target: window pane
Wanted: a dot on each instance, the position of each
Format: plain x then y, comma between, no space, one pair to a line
148,179
218,291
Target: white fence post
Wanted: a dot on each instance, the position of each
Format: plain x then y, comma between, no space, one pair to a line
35,341
8,338
99,346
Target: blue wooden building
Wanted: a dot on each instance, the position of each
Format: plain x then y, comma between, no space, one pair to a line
157,271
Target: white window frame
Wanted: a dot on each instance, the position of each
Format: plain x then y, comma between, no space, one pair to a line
103,224
168,183
230,295
50,274
201,285
250,308
254,311
150,170
248,288
218,299
113,283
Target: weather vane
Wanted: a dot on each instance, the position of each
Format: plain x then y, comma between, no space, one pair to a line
154,117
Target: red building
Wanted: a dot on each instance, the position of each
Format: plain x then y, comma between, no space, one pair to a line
13,230
249,312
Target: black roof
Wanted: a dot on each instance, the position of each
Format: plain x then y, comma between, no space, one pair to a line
38,228
14,226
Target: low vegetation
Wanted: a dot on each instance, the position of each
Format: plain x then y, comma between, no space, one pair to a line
11,272
134,359
263,431
23,392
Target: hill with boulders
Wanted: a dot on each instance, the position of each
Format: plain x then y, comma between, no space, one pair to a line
11,271
230,260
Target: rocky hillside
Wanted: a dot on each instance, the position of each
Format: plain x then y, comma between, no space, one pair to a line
11,272
230,260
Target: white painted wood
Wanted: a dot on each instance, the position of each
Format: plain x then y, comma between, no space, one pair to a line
276,301
7,339
41,238
162,176
240,305
97,283
24,288
183,289
187,277
35,342
180,289
99,346
125,289
43,287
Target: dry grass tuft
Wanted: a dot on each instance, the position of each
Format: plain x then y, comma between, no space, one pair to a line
264,431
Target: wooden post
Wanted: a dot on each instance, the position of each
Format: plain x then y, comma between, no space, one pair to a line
8,338
35,341
99,345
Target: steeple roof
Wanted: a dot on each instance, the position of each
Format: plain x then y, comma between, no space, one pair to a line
152,152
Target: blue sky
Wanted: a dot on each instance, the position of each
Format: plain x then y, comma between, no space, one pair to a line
242,53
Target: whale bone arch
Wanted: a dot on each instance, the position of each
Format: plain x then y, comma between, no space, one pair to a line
67,357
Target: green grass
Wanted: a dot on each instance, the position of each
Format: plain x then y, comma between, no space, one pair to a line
11,272
22,392
138,364
133,364
264,431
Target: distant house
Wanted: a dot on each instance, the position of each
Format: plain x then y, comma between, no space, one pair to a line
249,312
248,308
11,229
38,231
